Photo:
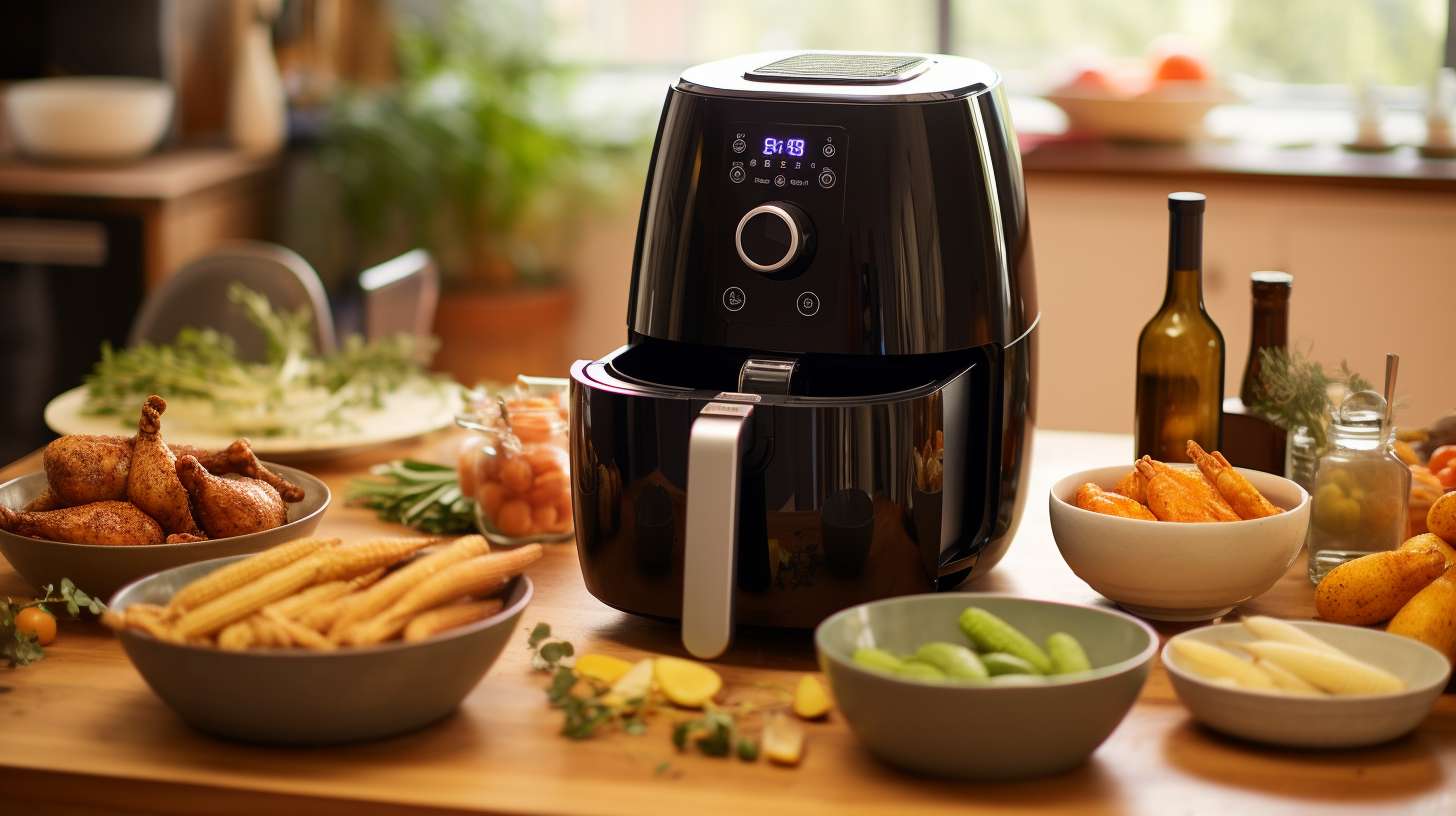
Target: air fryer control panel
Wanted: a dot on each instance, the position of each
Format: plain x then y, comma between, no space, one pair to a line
784,185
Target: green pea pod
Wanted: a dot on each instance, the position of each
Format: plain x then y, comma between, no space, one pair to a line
1001,663
1066,654
877,659
954,660
920,670
991,634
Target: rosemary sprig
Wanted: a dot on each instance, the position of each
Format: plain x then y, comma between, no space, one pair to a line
1295,391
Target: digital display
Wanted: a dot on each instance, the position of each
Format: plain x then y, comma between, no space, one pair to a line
774,146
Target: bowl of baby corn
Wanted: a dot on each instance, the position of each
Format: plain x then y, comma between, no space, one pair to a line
318,641
1179,542
1304,684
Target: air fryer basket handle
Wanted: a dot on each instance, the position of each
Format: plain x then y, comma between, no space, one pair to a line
716,446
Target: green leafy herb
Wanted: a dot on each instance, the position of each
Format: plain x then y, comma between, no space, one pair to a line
1295,392
547,655
417,494
21,649
713,733
292,391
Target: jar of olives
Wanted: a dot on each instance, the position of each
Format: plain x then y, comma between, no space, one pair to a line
1361,488
515,466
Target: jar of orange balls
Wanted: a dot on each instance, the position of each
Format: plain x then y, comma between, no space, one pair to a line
515,466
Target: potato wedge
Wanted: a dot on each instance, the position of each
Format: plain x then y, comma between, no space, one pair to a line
1431,541
1372,588
1441,518
1430,616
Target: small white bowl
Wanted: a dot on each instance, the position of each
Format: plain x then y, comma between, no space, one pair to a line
1161,115
1174,571
1317,722
88,118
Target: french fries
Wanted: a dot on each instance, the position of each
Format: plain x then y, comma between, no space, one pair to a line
321,595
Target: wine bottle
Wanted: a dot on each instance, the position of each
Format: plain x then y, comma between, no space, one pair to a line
1180,352
1269,328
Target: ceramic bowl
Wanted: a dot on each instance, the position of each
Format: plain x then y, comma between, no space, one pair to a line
1172,571
1160,115
983,731
1317,722
297,697
101,570
88,118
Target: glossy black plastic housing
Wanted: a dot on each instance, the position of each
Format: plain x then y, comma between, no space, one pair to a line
922,242
834,508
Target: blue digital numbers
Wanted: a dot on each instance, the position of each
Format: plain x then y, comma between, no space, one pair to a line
773,146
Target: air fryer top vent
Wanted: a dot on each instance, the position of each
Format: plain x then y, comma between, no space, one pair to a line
841,69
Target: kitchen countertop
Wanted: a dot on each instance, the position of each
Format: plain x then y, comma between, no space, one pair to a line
81,733
169,174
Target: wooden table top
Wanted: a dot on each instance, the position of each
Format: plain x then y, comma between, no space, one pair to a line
81,733
160,176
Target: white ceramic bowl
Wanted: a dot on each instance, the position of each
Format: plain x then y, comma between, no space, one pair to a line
1157,116
1317,722
1173,571
88,118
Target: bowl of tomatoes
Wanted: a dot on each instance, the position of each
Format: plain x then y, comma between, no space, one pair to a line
1164,102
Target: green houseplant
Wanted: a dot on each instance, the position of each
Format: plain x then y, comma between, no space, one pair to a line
468,154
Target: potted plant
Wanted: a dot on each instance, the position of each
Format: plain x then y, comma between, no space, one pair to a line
470,155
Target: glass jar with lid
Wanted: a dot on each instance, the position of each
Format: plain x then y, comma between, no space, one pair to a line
1361,488
515,465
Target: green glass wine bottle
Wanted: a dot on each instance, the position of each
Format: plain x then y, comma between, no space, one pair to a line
1180,352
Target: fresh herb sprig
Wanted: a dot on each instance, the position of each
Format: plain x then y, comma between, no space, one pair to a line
294,390
418,494
20,648
1295,391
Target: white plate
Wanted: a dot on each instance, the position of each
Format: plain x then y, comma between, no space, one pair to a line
1317,722
406,413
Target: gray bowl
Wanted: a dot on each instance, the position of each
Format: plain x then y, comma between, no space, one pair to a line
101,570
297,697
983,731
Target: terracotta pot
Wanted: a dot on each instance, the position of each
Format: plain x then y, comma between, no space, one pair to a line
495,335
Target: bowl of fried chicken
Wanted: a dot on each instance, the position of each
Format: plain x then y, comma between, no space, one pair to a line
1179,541
107,510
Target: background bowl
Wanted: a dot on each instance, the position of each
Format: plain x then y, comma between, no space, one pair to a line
1173,118
1179,572
101,570
88,118
983,731
296,697
1317,722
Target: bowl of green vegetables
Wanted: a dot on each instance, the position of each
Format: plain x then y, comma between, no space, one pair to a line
982,686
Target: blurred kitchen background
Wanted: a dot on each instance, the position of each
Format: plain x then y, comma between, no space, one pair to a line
510,140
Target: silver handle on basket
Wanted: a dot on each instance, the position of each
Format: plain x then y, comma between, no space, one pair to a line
716,446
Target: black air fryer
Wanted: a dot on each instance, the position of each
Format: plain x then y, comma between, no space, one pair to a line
827,391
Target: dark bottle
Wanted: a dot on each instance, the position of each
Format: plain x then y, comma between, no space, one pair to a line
1270,326
1180,351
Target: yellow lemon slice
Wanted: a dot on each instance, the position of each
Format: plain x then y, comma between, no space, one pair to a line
601,668
686,683
811,701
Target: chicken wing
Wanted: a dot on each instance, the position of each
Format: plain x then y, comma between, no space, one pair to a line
1245,499
1091,497
151,480
230,507
115,523
1132,486
84,468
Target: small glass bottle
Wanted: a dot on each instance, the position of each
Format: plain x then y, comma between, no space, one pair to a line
1361,488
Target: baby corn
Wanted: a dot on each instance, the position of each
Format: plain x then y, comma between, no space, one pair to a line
428,624
229,578
478,576
299,635
236,637
249,598
352,560
378,597
295,606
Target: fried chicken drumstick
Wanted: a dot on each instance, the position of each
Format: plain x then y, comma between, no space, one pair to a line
115,523
230,507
